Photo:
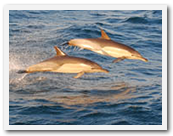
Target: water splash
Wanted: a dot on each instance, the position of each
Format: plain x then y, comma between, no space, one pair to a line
14,66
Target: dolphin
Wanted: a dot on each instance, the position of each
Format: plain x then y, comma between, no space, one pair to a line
105,46
62,63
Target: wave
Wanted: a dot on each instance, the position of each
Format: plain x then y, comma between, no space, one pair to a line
137,20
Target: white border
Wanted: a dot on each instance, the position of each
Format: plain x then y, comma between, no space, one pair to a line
85,7
164,67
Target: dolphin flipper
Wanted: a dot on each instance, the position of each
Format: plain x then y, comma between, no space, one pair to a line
118,59
105,53
79,74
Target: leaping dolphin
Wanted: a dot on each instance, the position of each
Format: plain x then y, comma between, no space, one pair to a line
105,46
62,63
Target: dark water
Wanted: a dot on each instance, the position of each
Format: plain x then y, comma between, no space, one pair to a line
131,94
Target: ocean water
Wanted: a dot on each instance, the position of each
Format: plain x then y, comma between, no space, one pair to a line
130,94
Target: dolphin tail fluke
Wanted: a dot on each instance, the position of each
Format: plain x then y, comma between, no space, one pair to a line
64,43
22,71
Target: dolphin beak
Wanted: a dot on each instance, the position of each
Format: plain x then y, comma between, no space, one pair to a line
144,59
105,71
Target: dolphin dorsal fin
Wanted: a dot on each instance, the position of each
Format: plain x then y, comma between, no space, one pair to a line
104,35
59,52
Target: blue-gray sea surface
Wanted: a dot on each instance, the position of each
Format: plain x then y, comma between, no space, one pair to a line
130,94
